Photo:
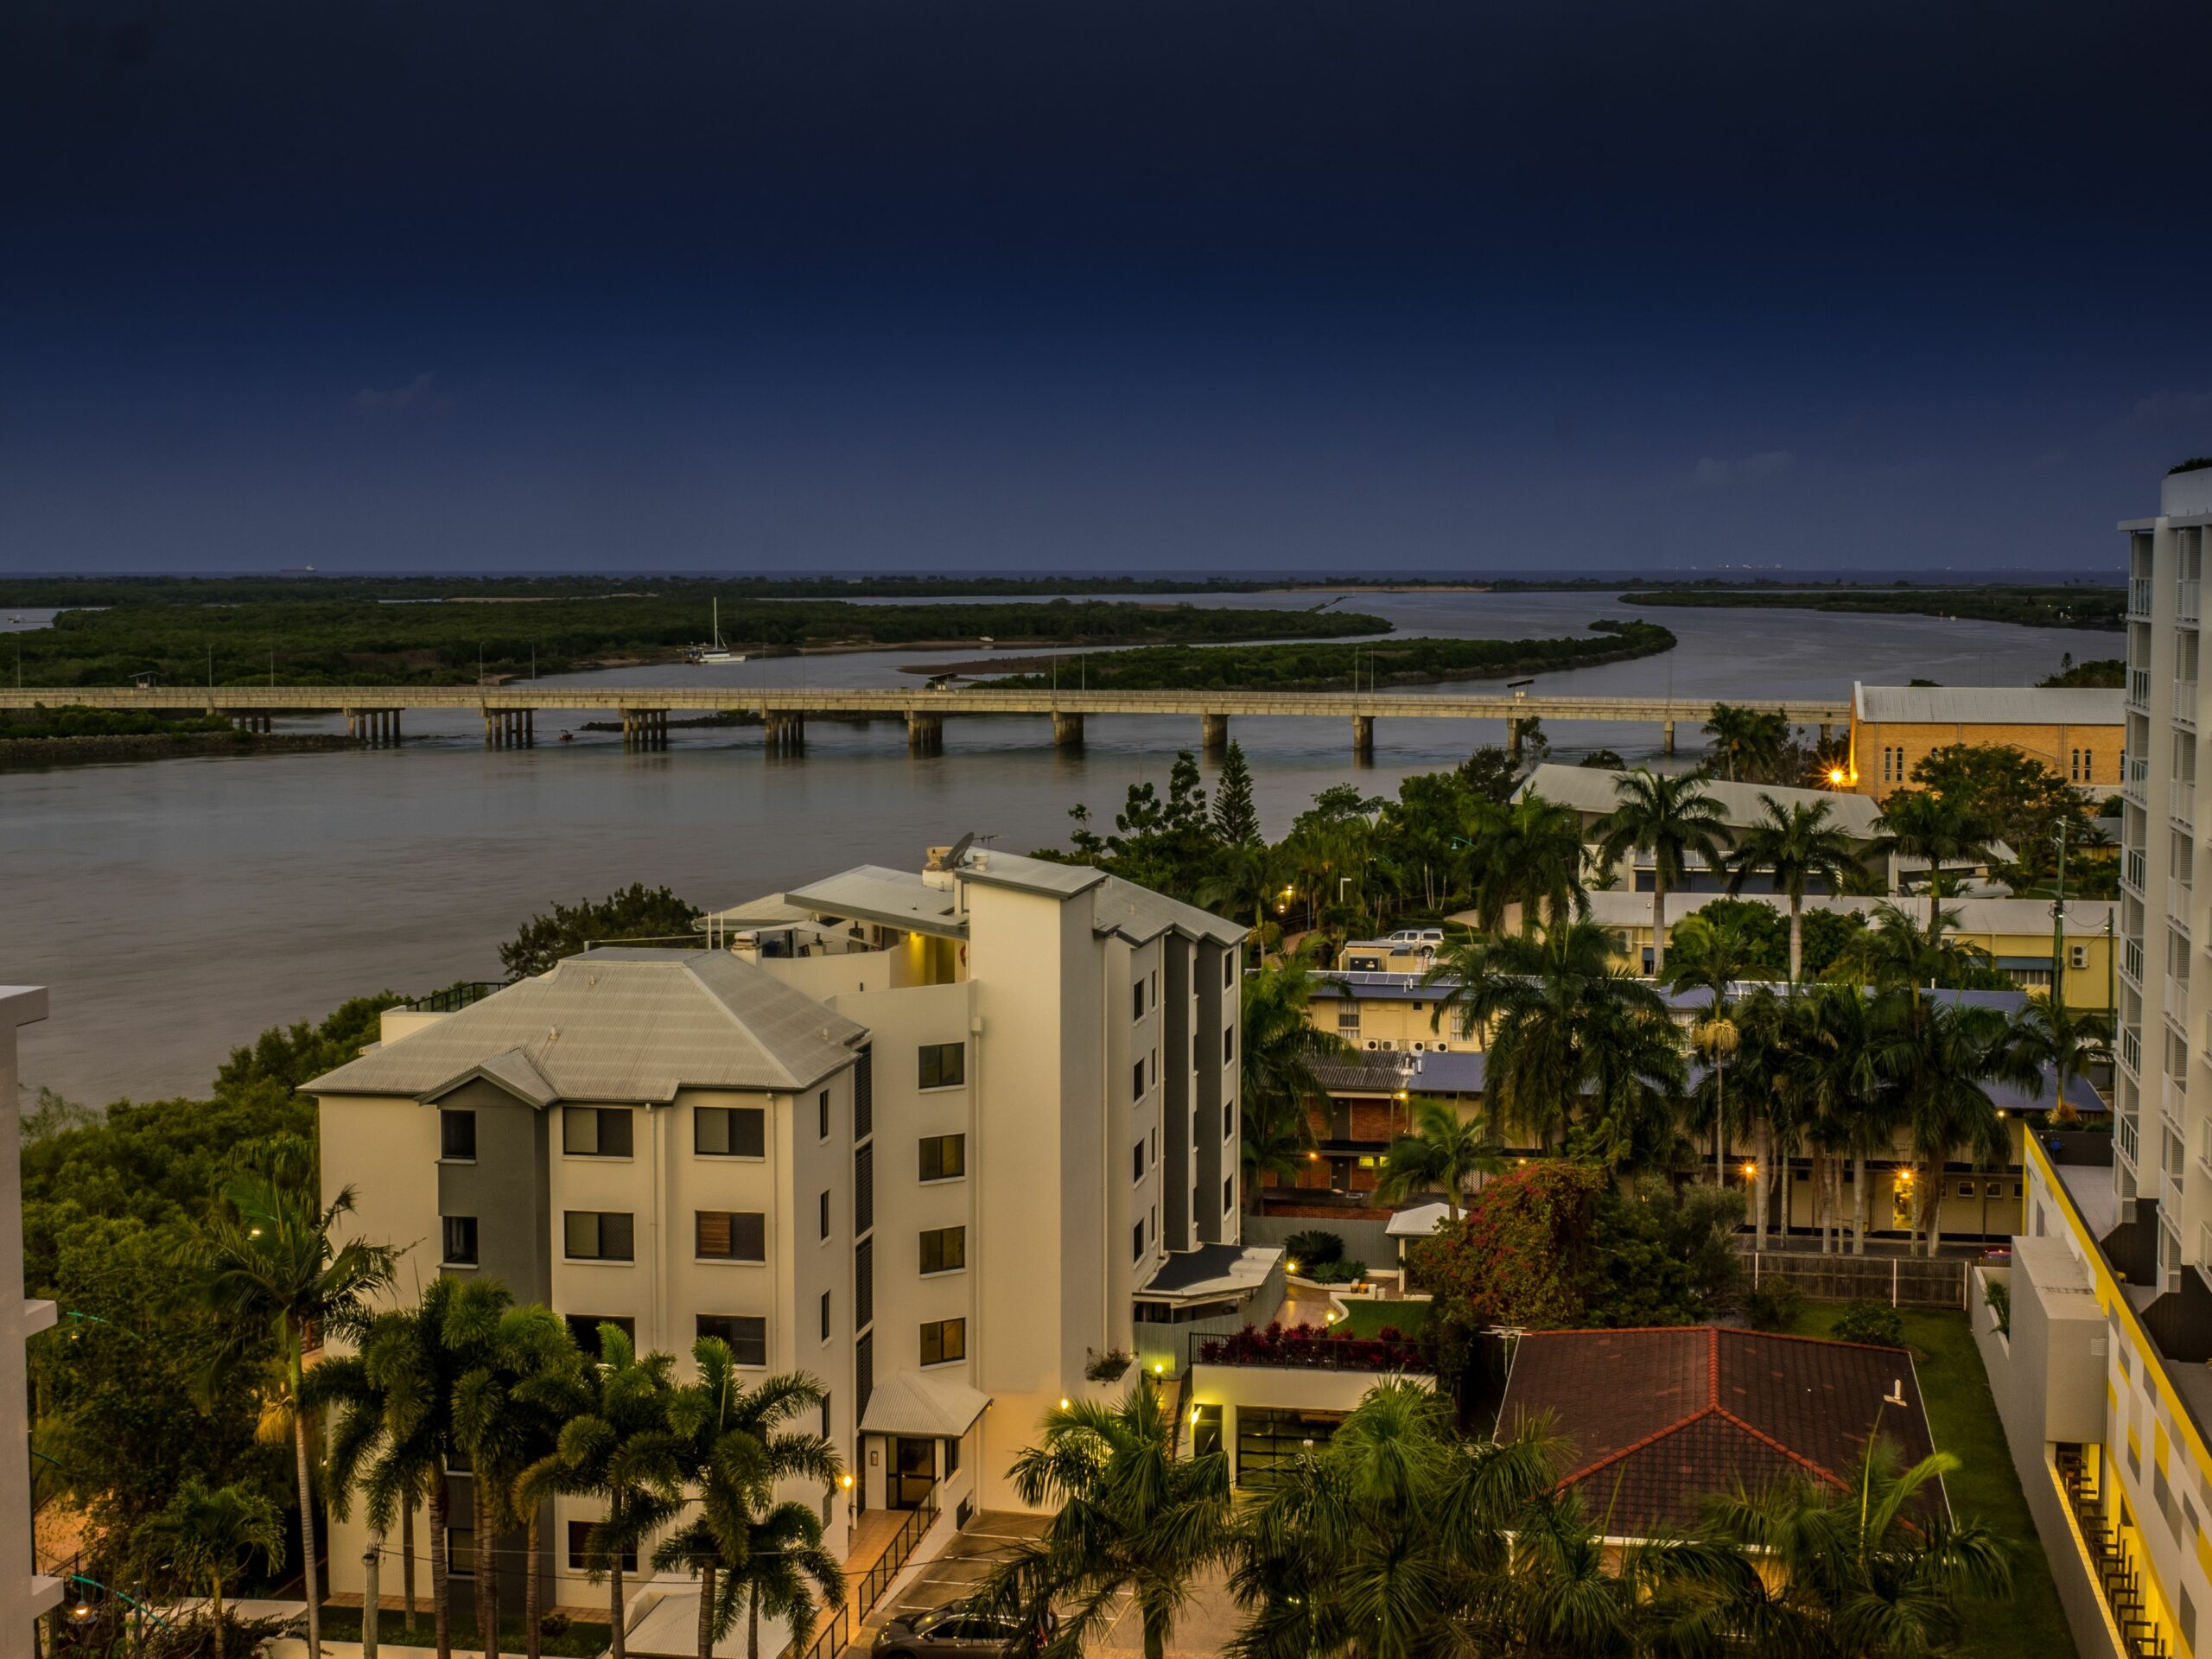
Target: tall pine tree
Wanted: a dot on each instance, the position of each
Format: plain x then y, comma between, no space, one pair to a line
1235,818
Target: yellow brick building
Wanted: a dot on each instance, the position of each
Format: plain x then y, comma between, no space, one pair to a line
2078,732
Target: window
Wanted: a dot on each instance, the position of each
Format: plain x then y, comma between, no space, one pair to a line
579,1543
1229,1195
864,1284
729,1132
944,1249
595,1131
729,1234
461,1241
457,1136
945,1157
864,1094
825,1416
746,1334
824,1222
944,1066
1136,1161
1136,997
597,1234
825,1336
1155,987
1229,1120
584,1327
822,1106
864,1191
1228,1045
1194,1050
944,1341
1155,1068
1137,1244
461,1551
1228,969
1155,1143
1137,1085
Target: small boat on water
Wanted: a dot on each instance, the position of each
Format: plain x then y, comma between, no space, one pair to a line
716,652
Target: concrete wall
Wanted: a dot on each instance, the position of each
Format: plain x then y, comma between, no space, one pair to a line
1364,1234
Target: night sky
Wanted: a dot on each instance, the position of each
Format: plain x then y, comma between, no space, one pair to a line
1060,287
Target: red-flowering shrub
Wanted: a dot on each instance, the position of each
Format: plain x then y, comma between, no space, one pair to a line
1302,1345
1520,1255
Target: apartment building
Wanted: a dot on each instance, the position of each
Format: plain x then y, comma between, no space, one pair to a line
25,1593
940,1137
2101,1371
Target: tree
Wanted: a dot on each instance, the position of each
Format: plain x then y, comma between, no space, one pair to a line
1937,1056
1714,958
735,1445
1160,844
1920,823
1236,820
1797,845
1528,853
1441,1152
1752,745
1275,1077
1671,819
636,912
271,1268
2067,1040
1240,880
2013,796
210,1533
1131,1517
1523,1255
1492,774
1895,951
1830,1079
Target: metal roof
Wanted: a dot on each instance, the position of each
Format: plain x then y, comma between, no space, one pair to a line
936,1406
1212,1270
1595,790
1989,705
617,1026
1619,908
894,898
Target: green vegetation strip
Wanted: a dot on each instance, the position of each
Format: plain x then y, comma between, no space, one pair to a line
579,1640
1963,1419
1346,667
1370,1319
2061,606
316,641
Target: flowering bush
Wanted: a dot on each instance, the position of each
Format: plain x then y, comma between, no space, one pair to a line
1389,1350
1520,1255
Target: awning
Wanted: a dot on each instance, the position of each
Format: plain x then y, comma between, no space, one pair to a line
1419,1222
1209,1272
914,1403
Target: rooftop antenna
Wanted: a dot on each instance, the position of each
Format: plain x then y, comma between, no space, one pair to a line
951,861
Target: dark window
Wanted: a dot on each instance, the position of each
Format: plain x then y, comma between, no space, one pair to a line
1228,1045
456,1135
730,1235
729,1132
1229,1195
1228,1119
944,1249
825,1336
944,1065
825,1409
864,1096
461,1241
944,1157
584,1327
864,1191
951,1457
1138,1242
597,1234
1137,997
1228,969
461,1551
1136,1161
863,1375
1269,1441
864,1285
579,1533
746,1334
595,1131
943,1340
1194,1050
1139,1084
822,1107
823,1221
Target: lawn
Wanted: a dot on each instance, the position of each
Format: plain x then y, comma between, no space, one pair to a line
1963,1419
579,1640
1366,1319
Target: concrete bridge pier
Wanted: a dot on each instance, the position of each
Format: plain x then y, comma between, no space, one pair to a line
1363,737
786,733
1067,731
1213,733
1513,738
1667,737
925,733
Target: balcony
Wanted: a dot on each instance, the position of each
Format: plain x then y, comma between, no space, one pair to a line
2138,689
2134,776
2179,896
2185,601
2131,870
2124,1138
2130,1052
2110,1560
2138,597
2130,962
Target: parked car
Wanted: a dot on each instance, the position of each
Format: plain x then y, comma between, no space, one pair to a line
959,1632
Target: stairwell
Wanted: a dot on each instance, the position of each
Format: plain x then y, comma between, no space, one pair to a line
2115,1569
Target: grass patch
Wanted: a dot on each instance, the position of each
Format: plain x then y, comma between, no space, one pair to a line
1963,1419
579,1640
1365,1319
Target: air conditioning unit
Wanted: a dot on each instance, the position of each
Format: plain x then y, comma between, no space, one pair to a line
1371,1043
1417,1049
1444,1048
2077,956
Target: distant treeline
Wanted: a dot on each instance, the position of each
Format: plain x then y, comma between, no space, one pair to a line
2058,606
42,722
1346,667
2104,674
315,641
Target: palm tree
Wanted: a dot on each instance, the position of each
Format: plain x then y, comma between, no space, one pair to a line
1831,1080
621,1450
210,1533
1240,880
1529,854
1670,818
1131,1516
1896,952
1714,958
1937,1057
1797,845
736,1445
1442,1151
269,1266
2068,1041
1923,824
1749,741
1275,1077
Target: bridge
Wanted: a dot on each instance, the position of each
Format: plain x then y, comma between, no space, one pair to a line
372,713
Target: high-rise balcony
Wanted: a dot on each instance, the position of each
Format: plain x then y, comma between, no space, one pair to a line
2131,869
2131,962
2138,597
2178,895
2131,1051
2185,601
2138,689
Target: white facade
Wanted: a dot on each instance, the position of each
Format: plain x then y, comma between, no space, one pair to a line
24,1592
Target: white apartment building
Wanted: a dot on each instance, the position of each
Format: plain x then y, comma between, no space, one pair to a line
24,1591
940,1138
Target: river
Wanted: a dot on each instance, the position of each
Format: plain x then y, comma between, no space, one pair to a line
178,907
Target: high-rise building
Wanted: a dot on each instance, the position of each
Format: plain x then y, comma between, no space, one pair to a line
946,1139
24,1592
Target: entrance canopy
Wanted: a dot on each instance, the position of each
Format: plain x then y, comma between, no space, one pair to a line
924,1406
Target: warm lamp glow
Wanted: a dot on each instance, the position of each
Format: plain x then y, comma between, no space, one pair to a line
1835,774
847,1483
1063,1404
1160,1368
1749,1170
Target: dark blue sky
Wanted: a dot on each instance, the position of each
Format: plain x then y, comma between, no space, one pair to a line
1050,285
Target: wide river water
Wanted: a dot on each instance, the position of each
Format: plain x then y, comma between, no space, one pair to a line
178,907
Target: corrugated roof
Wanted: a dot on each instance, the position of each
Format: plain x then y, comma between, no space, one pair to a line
895,898
1140,915
618,1025
936,1406
1618,907
1989,705
1595,790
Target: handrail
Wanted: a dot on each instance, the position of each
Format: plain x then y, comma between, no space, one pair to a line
888,1564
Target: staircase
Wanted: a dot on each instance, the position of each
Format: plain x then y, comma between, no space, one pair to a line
2109,1560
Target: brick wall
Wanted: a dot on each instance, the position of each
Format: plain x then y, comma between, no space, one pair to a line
2052,745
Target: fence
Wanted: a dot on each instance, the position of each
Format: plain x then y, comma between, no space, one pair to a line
830,1639
1901,1282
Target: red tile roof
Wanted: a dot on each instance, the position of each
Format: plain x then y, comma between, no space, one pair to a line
1654,1419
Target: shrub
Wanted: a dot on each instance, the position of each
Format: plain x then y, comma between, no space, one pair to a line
1869,1321
1312,1247
1999,1298
555,1623
1775,1304
1303,1345
1520,1253
1334,1273
1108,1367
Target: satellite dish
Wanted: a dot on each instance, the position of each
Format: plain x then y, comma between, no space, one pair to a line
959,850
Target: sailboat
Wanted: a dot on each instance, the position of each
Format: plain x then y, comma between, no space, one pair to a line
716,652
